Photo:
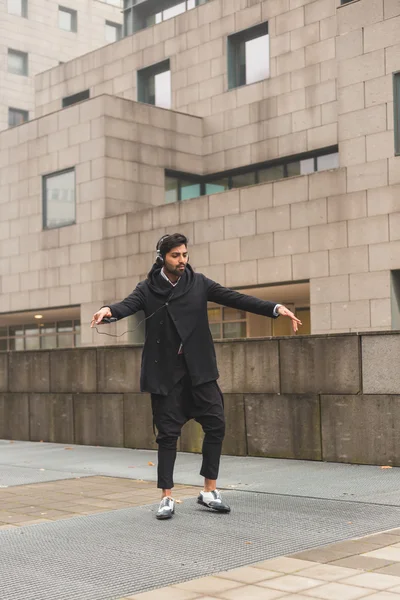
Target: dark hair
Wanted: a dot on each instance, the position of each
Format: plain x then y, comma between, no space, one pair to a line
172,241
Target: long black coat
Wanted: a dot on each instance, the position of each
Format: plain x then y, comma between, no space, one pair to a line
179,314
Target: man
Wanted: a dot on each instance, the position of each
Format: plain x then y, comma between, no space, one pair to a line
179,367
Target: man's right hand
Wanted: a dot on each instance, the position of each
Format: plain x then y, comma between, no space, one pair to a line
99,316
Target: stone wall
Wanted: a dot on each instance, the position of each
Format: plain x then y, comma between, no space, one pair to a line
333,398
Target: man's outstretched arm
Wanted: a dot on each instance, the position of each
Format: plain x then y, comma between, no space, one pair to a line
227,297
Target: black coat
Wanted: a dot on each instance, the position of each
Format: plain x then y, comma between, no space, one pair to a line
179,314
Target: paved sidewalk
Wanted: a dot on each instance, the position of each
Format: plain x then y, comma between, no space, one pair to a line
88,535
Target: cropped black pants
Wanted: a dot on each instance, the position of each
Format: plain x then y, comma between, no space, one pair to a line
205,404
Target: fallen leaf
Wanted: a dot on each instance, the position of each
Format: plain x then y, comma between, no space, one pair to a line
12,442
150,464
68,448
387,467
42,469
41,442
248,542
179,501
131,467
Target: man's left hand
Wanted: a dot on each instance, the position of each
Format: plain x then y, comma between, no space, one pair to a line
285,312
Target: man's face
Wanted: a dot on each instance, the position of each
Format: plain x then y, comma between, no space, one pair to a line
176,260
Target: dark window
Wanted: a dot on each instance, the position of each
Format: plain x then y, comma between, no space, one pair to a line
67,19
17,116
75,98
216,186
345,1
396,98
17,62
18,7
243,179
141,15
248,56
271,173
154,85
113,32
59,199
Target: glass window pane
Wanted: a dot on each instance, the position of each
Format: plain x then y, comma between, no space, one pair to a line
17,62
191,4
112,32
60,199
271,174
171,189
32,343
64,20
174,11
48,336
17,330
3,344
63,326
257,59
329,161
65,340
234,330
17,117
307,166
163,89
17,343
31,329
214,314
189,190
18,7
215,329
243,180
232,314
3,332
219,185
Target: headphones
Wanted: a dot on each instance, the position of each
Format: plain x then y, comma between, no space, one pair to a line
159,257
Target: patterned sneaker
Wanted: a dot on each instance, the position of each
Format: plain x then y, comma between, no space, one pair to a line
213,500
166,508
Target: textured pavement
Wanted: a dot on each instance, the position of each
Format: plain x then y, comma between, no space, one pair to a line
70,530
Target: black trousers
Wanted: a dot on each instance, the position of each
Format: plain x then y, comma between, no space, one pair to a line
205,404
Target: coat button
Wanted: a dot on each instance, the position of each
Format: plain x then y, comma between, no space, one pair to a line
156,361
161,322
158,341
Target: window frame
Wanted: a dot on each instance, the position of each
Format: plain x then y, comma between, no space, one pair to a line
143,77
75,98
74,18
20,111
24,56
44,198
117,26
234,43
396,112
24,9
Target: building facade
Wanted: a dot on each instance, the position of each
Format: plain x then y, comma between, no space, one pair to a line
267,131
38,35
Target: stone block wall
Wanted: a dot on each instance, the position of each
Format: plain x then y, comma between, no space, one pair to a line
333,398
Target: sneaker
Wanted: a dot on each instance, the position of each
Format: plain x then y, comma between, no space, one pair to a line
166,508
213,500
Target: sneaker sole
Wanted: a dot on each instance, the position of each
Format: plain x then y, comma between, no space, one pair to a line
215,509
164,517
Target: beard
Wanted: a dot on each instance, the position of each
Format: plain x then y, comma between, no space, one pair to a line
174,270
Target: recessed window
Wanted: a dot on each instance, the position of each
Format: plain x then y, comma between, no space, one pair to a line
113,32
154,85
328,161
345,1
75,98
140,15
67,19
248,56
59,199
16,116
17,62
41,336
18,7
396,104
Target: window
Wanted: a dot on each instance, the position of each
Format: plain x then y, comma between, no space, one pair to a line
18,7
185,186
67,19
113,32
248,56
141,15
396,99
227,323
40,336
17,116
154,85
75,98
345,1
17,62
59,199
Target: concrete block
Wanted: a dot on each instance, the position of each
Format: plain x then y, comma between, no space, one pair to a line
254,197
349,45
305,77
359,14
381,314
379,145
305,36
352,315
51,418
325,49
238,274
346,207
367,176
289,21
235,443
118,370
294,189
73,370
370,230
277,269
310,265
320,318
362,122
286,63
283,426
366,286
306,119
382,34
3,372
320,365
392,59
225,251
362,68
394,171
222,204
138,422
351,98
394,226
14,416
332,182
243,366
294,241
327,237
383,200
295,143
349,260
29,372
291,102
273,219
380,376
209,231
254,247
322,137
379,90
98,419
329,289
360,429
353,152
